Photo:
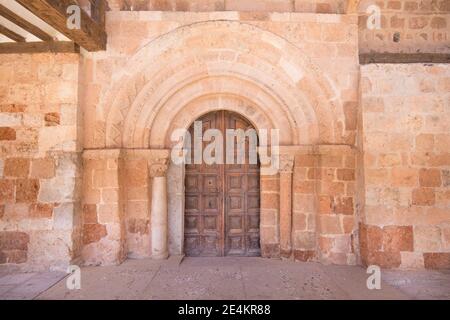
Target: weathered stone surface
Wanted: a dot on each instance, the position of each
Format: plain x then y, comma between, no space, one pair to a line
398,239
90,214
430,178
41,210
42,168
7,134
11,240
93,233
64,217
304,256
7,191
36,95
27,190
437,260
270,250
17,167
423,197
139,226
52,119
12,108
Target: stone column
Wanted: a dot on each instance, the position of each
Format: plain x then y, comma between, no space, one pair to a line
159,213
286,167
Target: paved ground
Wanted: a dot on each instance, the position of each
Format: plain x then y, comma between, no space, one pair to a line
26,286
225,278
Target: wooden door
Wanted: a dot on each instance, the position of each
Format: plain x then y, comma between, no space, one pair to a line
222,201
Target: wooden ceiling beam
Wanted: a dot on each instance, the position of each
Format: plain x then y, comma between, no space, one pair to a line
11,34
91,35
39,47
24,24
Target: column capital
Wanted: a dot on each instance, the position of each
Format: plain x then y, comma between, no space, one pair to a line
158,167
286,163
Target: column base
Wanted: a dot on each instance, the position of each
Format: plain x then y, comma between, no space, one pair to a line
160,256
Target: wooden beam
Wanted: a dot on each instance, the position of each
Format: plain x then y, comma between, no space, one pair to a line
24,24
11,34
91,35
98,10
372,58
352,6
39,47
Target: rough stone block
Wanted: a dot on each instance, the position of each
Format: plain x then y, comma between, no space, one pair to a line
7,134
430,178
437,260
90,214
12,240
41,210
423,197
17,167
345,174
427,238
27,190
93,233
304,255
398,238
42,168
7,191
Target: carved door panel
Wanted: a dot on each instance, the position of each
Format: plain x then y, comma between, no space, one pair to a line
242,198
222,202
203,230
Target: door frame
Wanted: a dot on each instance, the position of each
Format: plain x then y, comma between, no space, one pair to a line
176,200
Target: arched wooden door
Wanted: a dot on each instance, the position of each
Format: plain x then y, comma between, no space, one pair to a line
222,201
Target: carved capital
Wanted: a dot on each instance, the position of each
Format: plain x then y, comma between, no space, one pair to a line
286,163
157,167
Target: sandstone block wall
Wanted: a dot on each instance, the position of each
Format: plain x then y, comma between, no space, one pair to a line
406,27
406,116
376,191
40,166
103,215
313,6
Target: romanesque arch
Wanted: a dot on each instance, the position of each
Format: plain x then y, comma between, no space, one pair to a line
209,63
200,68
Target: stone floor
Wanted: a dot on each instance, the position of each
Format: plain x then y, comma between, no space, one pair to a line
225,278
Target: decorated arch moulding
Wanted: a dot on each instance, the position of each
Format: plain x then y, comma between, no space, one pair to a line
207,63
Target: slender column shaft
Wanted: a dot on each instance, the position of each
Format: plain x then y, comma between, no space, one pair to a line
159,218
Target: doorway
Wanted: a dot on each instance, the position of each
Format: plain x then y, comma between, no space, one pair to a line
222,201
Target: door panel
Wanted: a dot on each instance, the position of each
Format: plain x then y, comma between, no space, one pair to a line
222,204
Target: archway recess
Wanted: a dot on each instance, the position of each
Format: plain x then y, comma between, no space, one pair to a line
204,67
207,63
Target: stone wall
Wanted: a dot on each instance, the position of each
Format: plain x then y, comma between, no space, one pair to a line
103,214
405,114
336,205
40,162
406,27
313,6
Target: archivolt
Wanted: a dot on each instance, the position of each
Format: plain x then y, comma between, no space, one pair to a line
219,65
